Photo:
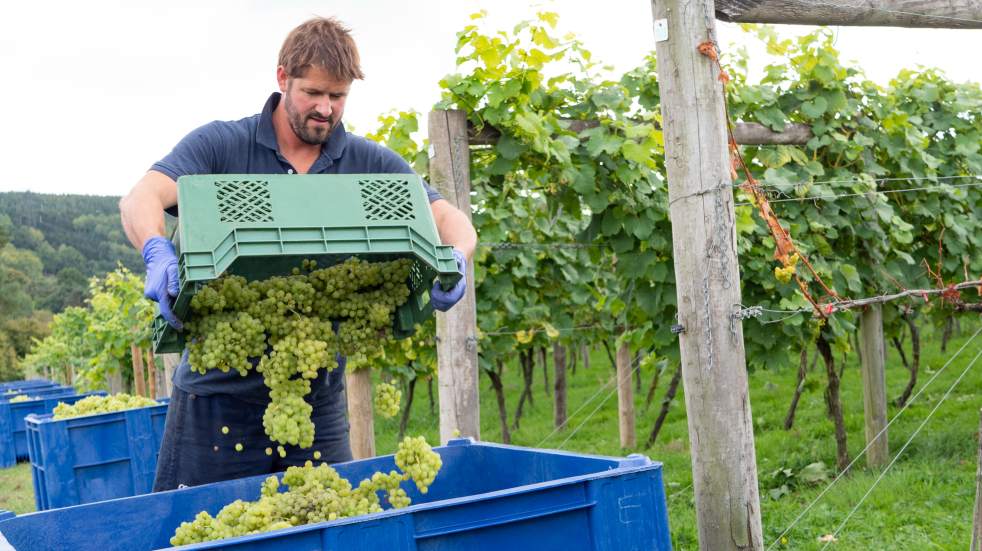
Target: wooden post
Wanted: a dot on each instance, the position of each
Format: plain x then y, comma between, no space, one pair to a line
171,361
139,385
625,398
955,14
69,375
874,384
456,330
559,396
977,516
114,380
151,375
360,415
707,276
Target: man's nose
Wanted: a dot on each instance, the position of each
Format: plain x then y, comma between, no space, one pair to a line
324,108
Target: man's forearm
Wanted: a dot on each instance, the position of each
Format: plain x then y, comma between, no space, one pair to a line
456,230
142,210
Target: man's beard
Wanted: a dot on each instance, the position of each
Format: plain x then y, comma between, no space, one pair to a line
316,135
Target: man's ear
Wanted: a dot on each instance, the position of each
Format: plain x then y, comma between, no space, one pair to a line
281,78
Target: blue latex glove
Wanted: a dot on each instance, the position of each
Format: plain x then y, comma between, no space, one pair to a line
162,284
443,300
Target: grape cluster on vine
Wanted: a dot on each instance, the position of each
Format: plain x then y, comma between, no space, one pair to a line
315,494
92,405
283,328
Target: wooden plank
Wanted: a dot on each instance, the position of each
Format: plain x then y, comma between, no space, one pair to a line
625,398
139,384
456,330
171,361
714,370
977,514
953,14
745,133
151,374
559,396
358,383
872,353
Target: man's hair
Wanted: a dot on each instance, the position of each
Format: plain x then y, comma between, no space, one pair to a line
321,42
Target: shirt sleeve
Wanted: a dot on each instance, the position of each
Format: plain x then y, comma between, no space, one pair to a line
392,163
196,153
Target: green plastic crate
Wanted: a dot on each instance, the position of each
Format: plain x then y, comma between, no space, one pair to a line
262,225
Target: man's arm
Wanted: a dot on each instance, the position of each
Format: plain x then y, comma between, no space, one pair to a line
454,227
142,211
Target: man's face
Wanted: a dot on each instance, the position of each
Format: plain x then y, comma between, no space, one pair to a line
314,103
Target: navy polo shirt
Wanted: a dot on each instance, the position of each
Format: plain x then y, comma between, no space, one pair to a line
248,146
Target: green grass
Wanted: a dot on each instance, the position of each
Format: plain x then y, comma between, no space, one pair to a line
924,502
16,490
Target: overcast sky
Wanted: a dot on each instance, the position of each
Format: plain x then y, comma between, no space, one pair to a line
96,91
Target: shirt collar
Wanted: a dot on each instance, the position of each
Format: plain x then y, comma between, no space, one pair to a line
266,134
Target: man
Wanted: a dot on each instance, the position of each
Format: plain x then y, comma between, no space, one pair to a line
299,131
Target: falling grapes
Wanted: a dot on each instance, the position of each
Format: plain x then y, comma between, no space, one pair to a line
315,494
287,323
388,399
91,405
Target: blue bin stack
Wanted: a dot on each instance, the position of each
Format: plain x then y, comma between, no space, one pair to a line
94,457
487,497
14,385
13,431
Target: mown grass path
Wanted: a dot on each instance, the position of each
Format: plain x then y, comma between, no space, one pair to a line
924,502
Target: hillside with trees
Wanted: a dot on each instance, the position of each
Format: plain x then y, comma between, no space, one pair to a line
50,247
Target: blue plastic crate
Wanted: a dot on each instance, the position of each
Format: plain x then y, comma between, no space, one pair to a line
94,457
487,497
13,431
24,384
45,392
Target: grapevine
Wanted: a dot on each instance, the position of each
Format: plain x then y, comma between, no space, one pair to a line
315,494
288,328
91,405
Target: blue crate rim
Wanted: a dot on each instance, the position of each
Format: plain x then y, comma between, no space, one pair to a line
635,463
44,418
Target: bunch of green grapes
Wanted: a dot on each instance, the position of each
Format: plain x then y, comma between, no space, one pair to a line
23,398
388,399
283,328
313,494
91,405
418,460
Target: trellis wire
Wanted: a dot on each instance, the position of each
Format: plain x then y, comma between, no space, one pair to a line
584,404
745,312
872,440
863,194
596,409
902,449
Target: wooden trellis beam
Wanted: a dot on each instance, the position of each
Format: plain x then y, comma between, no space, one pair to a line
946,14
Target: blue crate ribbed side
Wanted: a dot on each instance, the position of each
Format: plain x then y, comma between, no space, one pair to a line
487,497
94,457
26,383
13,431
45,391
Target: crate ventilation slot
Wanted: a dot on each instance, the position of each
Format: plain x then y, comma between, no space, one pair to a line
244,201
386,199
